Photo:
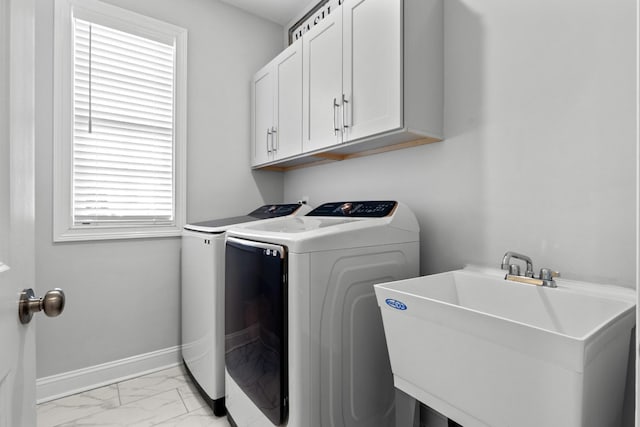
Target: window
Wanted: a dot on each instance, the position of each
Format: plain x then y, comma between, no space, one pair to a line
120,122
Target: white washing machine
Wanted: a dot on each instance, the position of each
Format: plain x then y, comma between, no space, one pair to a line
304,341
203,299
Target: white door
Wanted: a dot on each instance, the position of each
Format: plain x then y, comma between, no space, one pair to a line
322,83
17,341
372,61
288,101
262,115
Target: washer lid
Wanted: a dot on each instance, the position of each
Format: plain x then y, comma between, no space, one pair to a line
300,224
217,226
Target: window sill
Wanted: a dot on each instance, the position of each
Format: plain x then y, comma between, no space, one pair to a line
114,233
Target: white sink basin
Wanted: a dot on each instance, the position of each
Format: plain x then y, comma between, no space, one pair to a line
489,352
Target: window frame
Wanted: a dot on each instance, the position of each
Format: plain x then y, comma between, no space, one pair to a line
64,228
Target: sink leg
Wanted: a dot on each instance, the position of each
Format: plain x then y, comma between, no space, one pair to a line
406,410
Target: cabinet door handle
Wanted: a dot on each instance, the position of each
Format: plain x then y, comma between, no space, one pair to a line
268,134
344,111
273,136
336,129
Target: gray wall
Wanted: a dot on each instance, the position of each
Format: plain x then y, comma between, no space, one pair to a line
123,296
540,150
540,153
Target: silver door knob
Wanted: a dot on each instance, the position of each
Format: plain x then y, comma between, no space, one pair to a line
52,304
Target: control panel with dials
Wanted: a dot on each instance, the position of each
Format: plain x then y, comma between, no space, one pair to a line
362,209
274,211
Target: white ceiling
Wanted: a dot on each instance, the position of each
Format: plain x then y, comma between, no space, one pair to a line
278,11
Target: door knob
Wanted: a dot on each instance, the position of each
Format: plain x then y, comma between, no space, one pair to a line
52,304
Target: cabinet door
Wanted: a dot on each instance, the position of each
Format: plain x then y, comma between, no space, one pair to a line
288,102
262,115
372,61
322,83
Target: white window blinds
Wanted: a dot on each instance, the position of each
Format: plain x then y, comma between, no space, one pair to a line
123,128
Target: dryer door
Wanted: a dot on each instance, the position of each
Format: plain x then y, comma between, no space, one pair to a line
256,323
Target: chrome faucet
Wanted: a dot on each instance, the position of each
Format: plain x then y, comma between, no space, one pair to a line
545,277
506,263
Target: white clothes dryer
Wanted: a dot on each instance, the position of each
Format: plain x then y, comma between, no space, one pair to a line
304,341
202,290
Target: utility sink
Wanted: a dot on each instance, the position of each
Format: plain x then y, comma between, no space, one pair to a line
489,352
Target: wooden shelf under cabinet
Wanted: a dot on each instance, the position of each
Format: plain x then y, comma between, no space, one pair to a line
341,153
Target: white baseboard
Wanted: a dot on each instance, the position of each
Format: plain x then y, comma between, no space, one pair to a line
68,383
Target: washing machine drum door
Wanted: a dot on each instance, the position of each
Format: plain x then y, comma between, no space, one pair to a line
256,324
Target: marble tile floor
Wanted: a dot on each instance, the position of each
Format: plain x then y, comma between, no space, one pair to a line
165,398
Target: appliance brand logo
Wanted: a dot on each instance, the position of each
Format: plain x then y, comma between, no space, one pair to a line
393,303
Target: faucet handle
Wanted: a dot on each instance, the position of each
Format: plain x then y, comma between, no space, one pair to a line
514,269
548,274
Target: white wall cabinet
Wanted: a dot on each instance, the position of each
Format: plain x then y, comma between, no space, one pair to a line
262,115
322,84
276,93
352,83
372,80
